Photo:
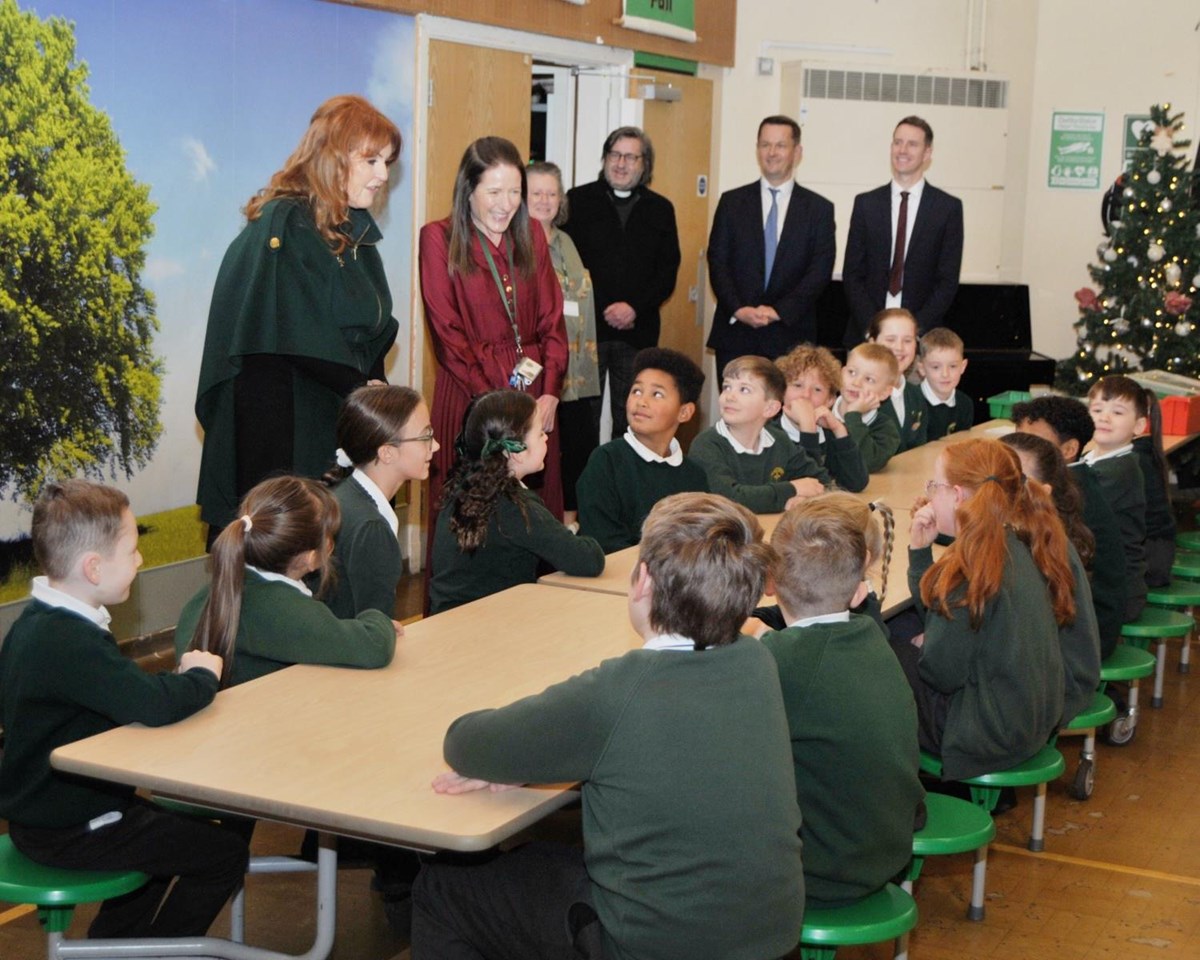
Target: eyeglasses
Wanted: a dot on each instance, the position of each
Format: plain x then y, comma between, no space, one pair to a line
932,485
615,156
426,437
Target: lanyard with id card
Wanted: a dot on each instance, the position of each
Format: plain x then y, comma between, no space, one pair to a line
526,370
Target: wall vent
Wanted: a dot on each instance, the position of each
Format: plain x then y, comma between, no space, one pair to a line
872,86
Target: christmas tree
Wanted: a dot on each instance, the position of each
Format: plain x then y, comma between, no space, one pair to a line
1147,270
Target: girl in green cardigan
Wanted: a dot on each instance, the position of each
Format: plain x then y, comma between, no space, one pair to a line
492,532
989,677
385,439
257,613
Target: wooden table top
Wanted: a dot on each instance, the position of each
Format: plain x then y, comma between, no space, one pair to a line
353,751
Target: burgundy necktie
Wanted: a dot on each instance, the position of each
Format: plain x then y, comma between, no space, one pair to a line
896,277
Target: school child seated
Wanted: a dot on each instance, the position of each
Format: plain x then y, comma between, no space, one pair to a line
878,526
896,329
867,377
942,364
627,476
850,710
814,378
747,458
1042,462
1065,422
257,612
1125,392
987,672
691,843
385,439
62,679
492,531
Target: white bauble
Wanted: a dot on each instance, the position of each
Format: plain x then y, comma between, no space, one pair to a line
1110,255
1165,206
1173,272
1155,252
1154,178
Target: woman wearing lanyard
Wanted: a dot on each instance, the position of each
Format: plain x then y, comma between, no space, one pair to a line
493,304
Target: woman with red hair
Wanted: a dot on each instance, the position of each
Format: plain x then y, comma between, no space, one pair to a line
988,675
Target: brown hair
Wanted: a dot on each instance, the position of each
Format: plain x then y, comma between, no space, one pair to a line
480,157
1052,469
920,124
891,313
773,381
1001,500
73,517
878,353
547,168
941,338
494,426
821,556
631,133
799,360
370,417
1117,387
278,520
709,565
318,170
779,120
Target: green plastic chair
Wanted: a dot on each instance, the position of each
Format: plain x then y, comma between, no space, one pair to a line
954,826
1045,765
1180,594
56,892
1186,565
1130,664
884,915
1158,624
1100,712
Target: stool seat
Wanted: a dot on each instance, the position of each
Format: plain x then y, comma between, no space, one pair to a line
1186,565
1157,623
1127,662
1097,713
1044,765
1188,539
1177,593
884,915
953,826
24,881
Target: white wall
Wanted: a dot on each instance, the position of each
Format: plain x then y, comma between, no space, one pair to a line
1056,55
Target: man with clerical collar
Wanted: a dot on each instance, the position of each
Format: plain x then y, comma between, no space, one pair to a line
628,241
770,254
905,243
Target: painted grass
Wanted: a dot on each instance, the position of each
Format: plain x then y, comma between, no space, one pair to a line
167,537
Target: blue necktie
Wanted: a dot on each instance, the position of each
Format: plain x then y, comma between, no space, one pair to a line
771,235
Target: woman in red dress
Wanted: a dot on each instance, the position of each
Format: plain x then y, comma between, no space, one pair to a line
493,303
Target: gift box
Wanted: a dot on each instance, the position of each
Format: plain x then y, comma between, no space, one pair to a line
1180,415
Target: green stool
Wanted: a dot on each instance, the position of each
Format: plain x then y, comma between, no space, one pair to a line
1100,712
1186,565
885,915
954,826
1130,664
1158,624
1180,594
1188,539
1045,765
57,892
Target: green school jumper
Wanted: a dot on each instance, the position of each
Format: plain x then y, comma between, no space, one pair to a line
690,824
877,441
758,481
366,557
280,626
941,419
913,430
1121,480
841,458
853,725
1160,521
515,545
63,679
1108,582
617,489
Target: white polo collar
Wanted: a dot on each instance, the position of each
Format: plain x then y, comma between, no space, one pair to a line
673,459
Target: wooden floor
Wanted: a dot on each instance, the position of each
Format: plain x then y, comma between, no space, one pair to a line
1120,877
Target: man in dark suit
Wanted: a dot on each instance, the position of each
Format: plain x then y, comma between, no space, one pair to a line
915,268
774,225
627,239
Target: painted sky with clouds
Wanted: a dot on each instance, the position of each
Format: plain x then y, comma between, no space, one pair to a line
208,97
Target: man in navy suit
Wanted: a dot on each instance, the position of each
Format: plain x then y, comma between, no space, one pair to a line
770,254
916,268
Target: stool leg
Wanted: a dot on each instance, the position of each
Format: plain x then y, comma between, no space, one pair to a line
1037,842
53,939
1185,664
901,947
978,884
237,916
1160,668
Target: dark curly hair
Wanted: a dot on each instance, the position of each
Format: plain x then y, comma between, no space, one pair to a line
494,425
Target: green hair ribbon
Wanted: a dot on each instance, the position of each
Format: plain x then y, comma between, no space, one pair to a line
508,446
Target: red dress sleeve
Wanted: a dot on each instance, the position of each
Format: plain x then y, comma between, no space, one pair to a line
552,329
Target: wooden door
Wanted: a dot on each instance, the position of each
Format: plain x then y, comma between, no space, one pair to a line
681,133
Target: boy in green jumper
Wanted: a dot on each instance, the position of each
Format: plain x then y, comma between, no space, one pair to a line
690,823
624,478
942,364
850,710
62,679
746,457
867,376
